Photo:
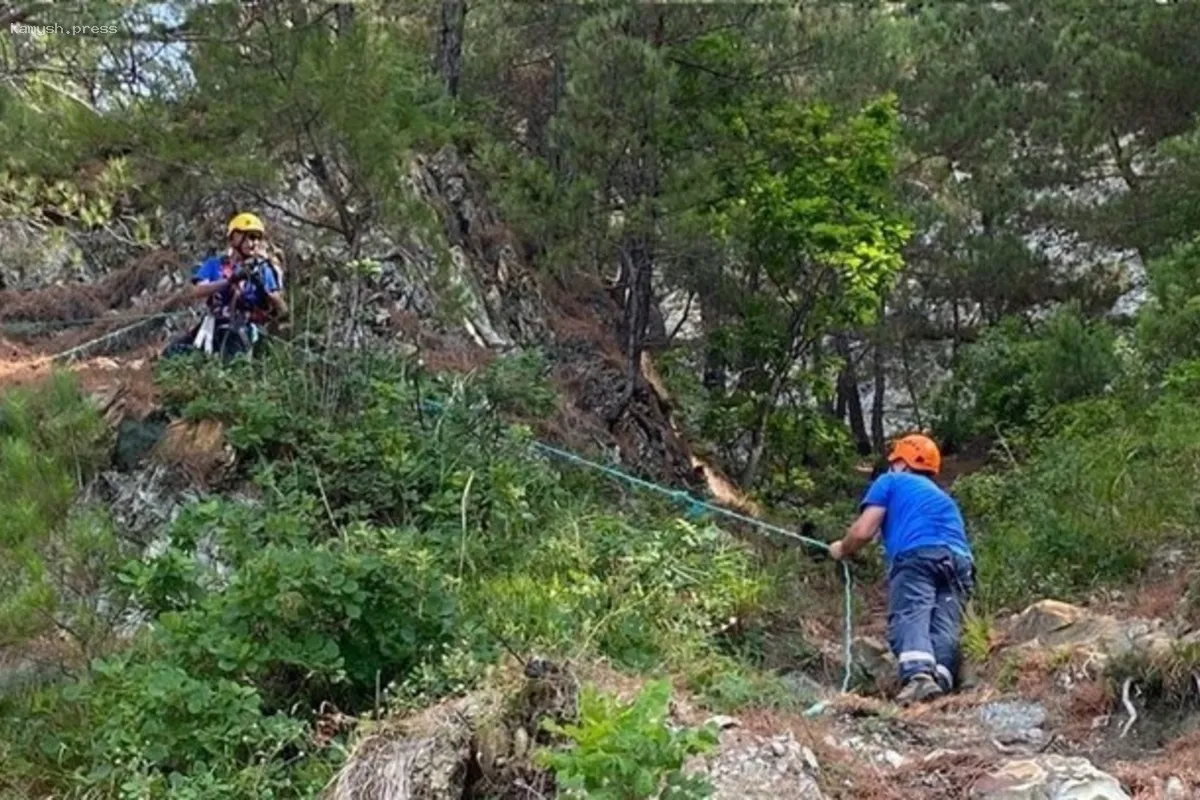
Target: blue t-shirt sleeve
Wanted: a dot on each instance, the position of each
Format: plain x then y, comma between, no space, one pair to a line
207,270
879,492
270,284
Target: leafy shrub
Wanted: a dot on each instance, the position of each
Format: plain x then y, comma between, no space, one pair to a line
1015,374
1183,379
147,728
1169,322
726,686
396,535
1090,504
627,751
54,556
635,594
324,622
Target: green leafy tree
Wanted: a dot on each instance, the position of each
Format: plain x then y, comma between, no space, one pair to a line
814,239
55,556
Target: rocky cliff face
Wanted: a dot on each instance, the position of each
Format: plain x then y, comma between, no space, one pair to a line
455,293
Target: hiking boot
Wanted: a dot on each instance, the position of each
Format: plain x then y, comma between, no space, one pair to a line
920,687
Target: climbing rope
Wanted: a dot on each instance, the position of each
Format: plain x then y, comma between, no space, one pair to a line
695,506
113,334
22,327
70,351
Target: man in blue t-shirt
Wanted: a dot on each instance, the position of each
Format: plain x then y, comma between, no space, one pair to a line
930,567
241,289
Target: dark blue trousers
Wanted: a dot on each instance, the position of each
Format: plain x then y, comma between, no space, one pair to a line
927,591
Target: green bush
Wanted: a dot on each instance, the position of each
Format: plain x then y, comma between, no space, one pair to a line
1016,374
140,727
637,594
1090,504
627,751
325,622
392,538
54,555
1169,322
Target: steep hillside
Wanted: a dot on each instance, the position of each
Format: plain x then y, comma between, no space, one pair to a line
601,320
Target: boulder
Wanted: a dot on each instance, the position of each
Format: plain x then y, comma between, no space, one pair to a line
1014,722
1051,624
1048,777
875,663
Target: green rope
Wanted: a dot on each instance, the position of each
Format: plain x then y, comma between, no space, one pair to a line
696,507
25,327
695,504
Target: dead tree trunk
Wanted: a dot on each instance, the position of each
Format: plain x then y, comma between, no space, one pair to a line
450,42
880,382
849,404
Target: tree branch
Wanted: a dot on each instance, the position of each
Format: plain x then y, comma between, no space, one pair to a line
260,197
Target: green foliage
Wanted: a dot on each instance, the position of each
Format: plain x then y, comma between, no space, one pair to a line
752,159
54,556
352,102
627,751
1090,504
139,727
976,637
639,594
401,535
1169,323
727,686
318,623
1011,379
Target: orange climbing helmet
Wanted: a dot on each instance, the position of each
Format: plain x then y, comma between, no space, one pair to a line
919,452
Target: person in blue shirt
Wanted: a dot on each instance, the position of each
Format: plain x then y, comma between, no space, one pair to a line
930,566
241,289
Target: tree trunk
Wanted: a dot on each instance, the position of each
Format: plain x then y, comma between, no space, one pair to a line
637,304
880,385
450,42
908,379
849,401
641,187
758,443
762,417
715,365
344,14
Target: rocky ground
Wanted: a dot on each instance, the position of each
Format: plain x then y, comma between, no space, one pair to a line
1043,723
1040,724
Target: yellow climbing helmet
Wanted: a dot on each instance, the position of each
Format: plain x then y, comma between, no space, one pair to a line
245,222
